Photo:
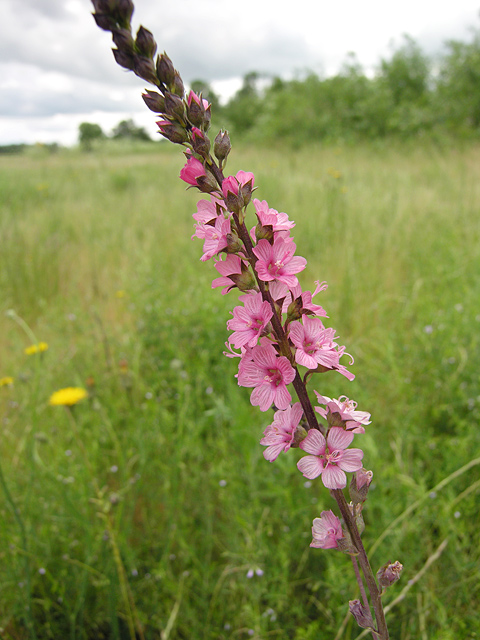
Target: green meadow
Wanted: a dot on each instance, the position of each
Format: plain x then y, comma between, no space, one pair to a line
139,512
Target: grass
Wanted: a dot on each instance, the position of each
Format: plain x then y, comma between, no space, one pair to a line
145,506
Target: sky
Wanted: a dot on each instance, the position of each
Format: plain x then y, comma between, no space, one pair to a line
57,69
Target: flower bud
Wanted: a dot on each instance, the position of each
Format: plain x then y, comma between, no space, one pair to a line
359,485
245,191
346,545
104,21
389,573
122,38
165,70
234,244
177,86
174,106
144,68
200,142
299,435
154,101
195,109
125,60
172,131
207,117
145,43
361,614
123,10
207,183
294,311
245,281
222,145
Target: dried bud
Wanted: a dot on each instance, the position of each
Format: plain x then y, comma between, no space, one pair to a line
154,101
359,485
389,573
177,87
122,38
222,145
124,59
165,69
145,43
174,106
361,614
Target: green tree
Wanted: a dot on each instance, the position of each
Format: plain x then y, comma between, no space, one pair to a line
88,132
127,129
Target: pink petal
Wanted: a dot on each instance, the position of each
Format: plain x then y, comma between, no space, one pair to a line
351,460
314,443
338,438
333,477
263,397
282,397
272,452
310,466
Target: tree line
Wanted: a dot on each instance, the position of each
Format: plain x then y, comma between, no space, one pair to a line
410,95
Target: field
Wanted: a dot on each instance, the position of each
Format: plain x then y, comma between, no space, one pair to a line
143,509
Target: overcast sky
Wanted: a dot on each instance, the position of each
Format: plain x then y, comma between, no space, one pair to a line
57,69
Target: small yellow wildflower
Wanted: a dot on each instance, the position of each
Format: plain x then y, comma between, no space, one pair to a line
35,348
6,381
120,294
67,397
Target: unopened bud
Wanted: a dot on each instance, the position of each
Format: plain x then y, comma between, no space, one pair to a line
245,281
172,131
154,101
245,191
195,109
359,485
104,21
124,59
234,244
222,145
177,87
294,311
389,573
123,10
145,43
346,545
299,435
165,69
207,118
361,614
144,68
200,142
174,105
123,40
207,183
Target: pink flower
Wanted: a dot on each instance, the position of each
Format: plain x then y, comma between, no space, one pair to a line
277,261
215,237
342,413
329,457
250,320
261,367
207,210
279,435
316,346
192,170
233,184
231,266
193,97
271,217
306,297
326,531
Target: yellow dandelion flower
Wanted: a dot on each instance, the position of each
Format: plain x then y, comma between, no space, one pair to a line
67,397
6,381
35,348
120,294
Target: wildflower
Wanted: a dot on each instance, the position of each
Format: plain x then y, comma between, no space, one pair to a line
67,397
250,320
6,381
326,531
329,457
342,413
277,261
269,373
270,217
192,170
35,348
280,435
